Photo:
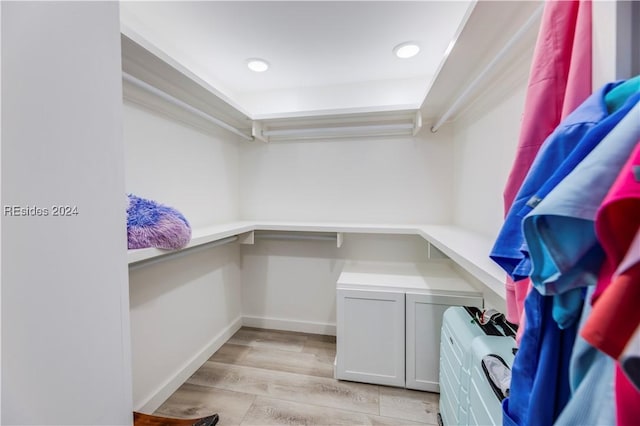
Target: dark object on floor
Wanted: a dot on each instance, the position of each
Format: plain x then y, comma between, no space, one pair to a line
140,419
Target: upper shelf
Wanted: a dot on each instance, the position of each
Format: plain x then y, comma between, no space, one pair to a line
508,38
144,62
494,23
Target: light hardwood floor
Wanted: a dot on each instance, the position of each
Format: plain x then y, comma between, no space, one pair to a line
268,377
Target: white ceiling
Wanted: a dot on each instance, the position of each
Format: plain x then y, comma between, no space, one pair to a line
324,55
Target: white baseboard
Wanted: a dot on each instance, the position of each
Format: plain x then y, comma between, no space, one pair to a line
156,399
290,325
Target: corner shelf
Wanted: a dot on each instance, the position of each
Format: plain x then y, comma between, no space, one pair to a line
468,249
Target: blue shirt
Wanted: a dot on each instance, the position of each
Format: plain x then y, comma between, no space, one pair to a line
540,375
582,149
591,376
560,231
540,386
506,250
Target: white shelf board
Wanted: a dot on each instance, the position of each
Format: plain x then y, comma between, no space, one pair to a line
218,232
136,50
435,276
467,58
470,250
353,228
198,237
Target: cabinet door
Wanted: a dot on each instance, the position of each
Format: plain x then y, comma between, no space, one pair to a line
424,321
370,337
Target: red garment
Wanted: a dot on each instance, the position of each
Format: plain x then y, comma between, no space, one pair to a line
559,80
615,316
618,219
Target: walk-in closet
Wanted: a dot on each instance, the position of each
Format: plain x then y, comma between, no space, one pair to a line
331,186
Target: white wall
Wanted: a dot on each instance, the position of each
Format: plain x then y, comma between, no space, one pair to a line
485,139
182,310
291,285
65,323
181,166
394,180
485,145
363,96
616,49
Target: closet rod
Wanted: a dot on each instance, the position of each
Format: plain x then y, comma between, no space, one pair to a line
499,57
340,131
180,253
286,237
177,102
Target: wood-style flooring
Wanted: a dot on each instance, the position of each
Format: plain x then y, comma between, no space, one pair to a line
268,377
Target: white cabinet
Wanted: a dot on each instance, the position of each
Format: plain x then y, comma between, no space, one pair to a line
371,336
389,318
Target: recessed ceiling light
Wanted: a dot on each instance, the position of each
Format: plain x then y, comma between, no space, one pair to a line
257,64
406,50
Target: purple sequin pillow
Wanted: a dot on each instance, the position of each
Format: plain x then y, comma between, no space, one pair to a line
151,224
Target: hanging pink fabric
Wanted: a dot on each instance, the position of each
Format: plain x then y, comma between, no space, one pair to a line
627,400
559,81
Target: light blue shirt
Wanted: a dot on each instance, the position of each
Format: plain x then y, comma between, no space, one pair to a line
506,250
560,231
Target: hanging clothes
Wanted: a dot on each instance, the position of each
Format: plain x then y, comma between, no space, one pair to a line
618,218
559,80
630,360
591,377
560,231
543,362
618,96
507,250
627,400
590,140
540,374
616,317
615,314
